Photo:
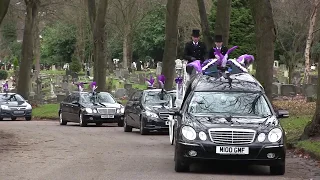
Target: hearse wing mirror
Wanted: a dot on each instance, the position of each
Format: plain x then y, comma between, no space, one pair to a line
282,113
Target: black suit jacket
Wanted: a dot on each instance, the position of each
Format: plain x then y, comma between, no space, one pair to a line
198,52
224,50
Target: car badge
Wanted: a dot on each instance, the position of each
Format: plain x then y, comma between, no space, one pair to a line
18,108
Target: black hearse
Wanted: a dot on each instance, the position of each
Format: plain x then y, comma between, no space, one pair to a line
227,116
148,111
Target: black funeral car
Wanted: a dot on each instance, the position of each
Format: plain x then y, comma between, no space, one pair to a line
229,119
148,111
14,106
91,107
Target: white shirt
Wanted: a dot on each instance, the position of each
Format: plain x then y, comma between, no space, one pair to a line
195,43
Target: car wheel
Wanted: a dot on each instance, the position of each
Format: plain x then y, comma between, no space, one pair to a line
120,123
62,122
13,118
99,124
126,128
179,165
1,119
82,122
279,169
28,118
143,130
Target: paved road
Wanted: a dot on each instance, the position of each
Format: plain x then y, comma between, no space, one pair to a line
44,150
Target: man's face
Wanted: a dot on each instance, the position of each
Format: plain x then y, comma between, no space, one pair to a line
195,39
218,44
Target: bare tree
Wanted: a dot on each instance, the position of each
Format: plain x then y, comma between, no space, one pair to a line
97,20
265,38
4,5
170,48
32,9
313,18
222,26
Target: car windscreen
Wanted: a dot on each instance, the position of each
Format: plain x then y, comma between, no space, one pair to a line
229,103
157,98
11,97
100,97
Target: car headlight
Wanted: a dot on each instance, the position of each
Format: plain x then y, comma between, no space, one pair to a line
94,111
151,114
88,110
5,107
189,133
275,135
28,107
122,110
202,136
261,137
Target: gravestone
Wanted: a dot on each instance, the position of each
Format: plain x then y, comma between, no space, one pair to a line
159,68
288,90
296,78
127,86
60,97
313,79
120,93
310,91
276,88
142,79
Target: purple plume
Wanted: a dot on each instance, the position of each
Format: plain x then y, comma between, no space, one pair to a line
150,81
80,86
218,53
93,86
196,64
245,59
161,80
5,86
231,49
178,80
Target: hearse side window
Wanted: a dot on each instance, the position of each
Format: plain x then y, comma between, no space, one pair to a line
67,99
229,103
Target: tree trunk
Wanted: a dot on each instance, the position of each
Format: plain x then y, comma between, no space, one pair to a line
290,72
4,5
312,24
205,24
27,48
313,128
99,41
127,46
37,45
170,48
265,39
222,26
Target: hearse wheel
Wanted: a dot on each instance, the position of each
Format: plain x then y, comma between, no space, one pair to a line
82,122
279,169
13,118
62,122
28,118
126,128
98,124
143,130
179,165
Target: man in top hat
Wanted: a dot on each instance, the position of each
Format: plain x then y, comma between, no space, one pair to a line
195,50
218,45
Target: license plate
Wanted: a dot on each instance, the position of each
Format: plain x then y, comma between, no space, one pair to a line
18,112
167,123
232,150
107,116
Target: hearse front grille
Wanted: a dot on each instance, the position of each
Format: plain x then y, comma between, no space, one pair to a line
106,110
232,136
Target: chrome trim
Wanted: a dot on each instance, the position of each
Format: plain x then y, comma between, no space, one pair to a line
109,111
189,144
232,131
273,146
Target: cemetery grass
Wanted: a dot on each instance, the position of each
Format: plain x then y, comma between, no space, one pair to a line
47,111
294,127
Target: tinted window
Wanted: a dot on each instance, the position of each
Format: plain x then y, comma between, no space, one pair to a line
136,96
67,99
11,97
102,97
229,103
75,97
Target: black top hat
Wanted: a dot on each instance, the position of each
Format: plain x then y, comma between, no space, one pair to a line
195,33
217,38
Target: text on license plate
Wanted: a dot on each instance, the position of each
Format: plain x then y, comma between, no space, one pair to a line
18,112
167,122
107,116
232,150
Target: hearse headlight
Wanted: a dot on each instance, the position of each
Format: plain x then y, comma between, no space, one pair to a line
94,111
151,114
202,136
189,133
5,107
261,137
275,135
88,110
29,107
